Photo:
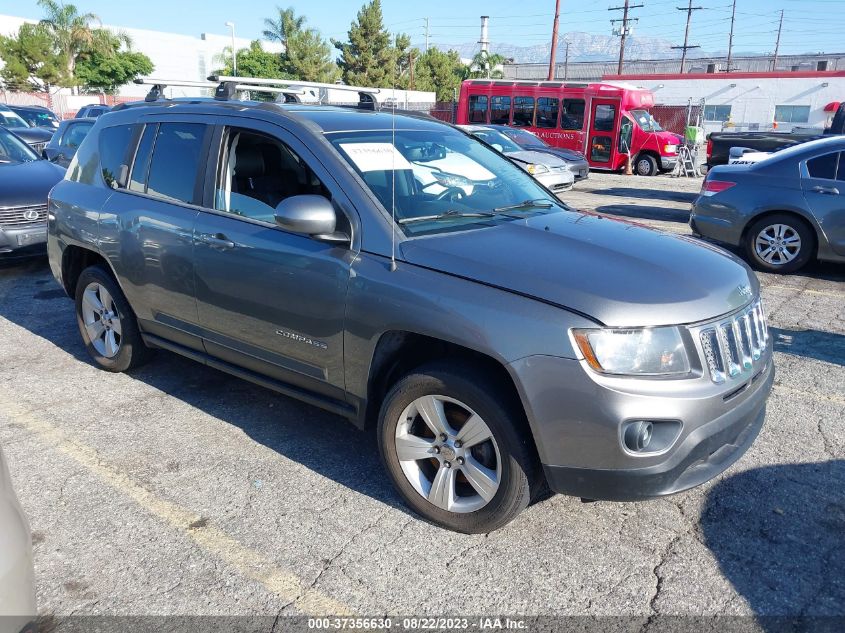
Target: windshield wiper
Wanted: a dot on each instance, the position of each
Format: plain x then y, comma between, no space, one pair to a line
446,215
537,203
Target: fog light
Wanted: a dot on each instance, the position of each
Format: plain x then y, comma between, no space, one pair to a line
638,436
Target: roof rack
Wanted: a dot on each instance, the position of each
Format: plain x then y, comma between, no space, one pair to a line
158,85
291,88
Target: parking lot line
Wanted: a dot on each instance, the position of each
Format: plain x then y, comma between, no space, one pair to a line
823,293
249,563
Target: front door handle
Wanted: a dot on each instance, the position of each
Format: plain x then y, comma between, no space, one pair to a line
217,240
831,191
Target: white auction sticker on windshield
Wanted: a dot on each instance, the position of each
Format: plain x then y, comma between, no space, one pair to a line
375,156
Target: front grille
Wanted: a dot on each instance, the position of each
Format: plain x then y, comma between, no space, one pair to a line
38,147
734,346
560,187
23,216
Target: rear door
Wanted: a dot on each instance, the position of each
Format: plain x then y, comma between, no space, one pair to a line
823,182
602,132
269,300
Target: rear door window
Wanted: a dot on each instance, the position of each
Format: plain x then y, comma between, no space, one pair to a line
75,133
141,164
605,117
500,110
823,166
478,109
841,174
176,160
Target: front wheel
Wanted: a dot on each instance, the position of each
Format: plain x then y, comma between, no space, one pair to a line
457,450
107,323
779,243
646,165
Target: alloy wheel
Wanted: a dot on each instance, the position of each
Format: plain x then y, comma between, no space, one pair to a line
102,320
448,454
777,244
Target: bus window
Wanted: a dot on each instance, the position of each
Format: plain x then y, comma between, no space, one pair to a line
478,109
523,111
546,112
605,116
572,116
500,110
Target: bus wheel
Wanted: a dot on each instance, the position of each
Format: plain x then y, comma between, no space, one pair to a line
646,165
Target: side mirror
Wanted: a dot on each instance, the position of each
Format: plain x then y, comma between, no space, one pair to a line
307,214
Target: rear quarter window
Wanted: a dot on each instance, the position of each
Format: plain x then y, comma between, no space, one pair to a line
116,146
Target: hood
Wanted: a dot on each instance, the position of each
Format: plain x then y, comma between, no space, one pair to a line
540,158
23,184
569,155
616,272
33,134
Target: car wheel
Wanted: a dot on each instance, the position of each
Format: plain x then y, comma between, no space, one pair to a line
646,165
458,451
779,243
106,322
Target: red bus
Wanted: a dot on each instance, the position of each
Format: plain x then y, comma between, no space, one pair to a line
603,121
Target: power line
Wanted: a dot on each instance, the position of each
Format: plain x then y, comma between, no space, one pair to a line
551,74
731,37
689,9
777,44
624,31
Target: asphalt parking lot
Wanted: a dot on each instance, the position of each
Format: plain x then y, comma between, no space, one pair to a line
177,489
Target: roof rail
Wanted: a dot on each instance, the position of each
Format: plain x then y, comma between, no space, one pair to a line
291,88
228,88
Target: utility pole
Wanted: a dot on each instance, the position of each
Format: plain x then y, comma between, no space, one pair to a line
566,63
689,9
426,35
411,71
731,38
624,31
554,42
777,43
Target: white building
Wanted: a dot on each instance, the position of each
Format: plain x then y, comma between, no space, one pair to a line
750,100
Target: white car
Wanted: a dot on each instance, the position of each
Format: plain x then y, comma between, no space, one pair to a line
551,171
17,577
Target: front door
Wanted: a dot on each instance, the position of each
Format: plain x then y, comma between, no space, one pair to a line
603,130
269,300
823,183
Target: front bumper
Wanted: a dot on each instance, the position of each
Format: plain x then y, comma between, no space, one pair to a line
557,182
577,422
668,162
14,238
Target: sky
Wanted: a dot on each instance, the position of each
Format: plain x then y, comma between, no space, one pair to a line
809,25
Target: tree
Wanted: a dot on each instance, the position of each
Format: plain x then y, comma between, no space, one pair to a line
439,72
253,62
280,29
73,33
485,65
96,70
31,60
366,59
309,57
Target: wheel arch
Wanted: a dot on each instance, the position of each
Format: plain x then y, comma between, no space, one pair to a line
77,258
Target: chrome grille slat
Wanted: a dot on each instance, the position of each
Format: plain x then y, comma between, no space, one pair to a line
14,216
734,346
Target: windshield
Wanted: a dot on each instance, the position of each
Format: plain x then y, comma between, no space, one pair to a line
499,141
14,150
524,138
440,179
10,119
646,121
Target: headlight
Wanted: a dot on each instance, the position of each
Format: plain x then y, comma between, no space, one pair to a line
670,149
534,169
638,352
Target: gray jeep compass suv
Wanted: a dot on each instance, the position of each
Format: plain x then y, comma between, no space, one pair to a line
398,272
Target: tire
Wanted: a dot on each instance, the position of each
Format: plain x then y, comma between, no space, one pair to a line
783,231
105,309
508,456
646,165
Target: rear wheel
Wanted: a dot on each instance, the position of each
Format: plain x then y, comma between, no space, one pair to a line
779,243
646,165
458,452
107,323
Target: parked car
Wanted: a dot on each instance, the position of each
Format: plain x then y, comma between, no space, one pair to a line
67,139
37,138
25,181
720,144
37,116
577,162
784,210
553,172
17,576
92,111
495,337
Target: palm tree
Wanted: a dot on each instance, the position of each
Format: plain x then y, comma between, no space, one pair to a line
284,27
485,65
76,33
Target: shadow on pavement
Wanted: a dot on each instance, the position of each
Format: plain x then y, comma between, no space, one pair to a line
777,534
644,212
826,346
646,194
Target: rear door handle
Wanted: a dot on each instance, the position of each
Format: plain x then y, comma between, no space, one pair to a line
217,240
831,191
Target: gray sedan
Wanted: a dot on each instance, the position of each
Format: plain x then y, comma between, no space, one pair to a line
783,210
